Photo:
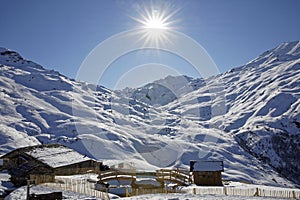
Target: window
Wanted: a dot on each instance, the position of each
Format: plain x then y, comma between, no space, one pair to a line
202,174
209,174
21,160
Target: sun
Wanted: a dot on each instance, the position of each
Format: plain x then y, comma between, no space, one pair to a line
155,24
156,17
155,21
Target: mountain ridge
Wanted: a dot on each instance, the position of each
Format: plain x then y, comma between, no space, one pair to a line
233,116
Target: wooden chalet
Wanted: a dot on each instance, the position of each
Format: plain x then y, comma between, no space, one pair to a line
207,173
43,162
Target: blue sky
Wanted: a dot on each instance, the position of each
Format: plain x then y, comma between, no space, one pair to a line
59,34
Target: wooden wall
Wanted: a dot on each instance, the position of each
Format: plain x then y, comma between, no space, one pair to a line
42,178
208,178
79,168
15,159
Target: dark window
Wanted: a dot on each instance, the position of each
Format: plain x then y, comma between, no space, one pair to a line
21,160
202,174
209,174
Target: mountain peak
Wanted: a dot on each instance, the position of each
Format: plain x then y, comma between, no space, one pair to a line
291,48
284,52
287,51
12,58
2,49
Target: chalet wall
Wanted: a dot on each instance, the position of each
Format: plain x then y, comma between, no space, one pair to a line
79,168
42,178
208,178
18,180
19,177
15,159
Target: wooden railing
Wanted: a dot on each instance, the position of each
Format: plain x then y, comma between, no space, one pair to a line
116,175
178,176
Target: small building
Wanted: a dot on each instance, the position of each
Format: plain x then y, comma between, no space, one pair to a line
43,162
207,173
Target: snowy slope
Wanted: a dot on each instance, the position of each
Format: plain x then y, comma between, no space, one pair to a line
238,117
264,108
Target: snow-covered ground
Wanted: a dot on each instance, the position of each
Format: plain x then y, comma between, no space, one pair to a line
5,183
186,192
20,193
234,190
248,117
194,197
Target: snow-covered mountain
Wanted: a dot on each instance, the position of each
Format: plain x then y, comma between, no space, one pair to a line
247,117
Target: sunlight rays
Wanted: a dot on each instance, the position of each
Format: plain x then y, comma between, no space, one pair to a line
156,17
155,24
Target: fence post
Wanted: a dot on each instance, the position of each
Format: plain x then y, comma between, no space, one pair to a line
294,194
194,190
225,191
28,190
126,192
107,193
256,193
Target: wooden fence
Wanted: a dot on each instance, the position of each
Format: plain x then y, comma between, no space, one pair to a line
116,175
261,192
178,176
78,186
88,188
141,191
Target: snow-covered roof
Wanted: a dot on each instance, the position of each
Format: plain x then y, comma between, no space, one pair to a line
56,156
204,166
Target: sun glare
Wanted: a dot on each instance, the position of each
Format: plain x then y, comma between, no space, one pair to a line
155,21
156,17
